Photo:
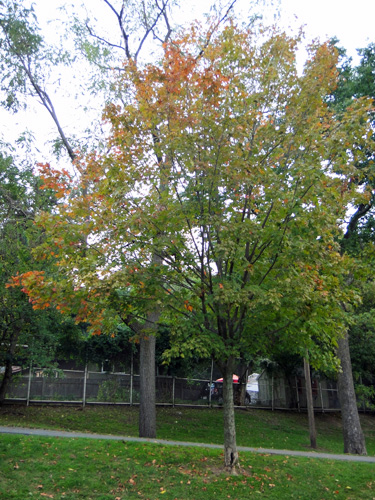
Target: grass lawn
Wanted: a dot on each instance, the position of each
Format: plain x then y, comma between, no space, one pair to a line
58,468
258,428
61,468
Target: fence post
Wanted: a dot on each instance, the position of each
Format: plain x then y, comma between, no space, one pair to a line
321,396
209,389
29,385
173,390
298,402
131,380
272,393
84,386
363,400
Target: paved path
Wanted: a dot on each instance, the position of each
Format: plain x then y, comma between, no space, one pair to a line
308,454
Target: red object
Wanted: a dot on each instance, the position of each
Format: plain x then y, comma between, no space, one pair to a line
235,379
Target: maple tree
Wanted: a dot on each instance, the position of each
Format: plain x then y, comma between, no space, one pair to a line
29,60
217,205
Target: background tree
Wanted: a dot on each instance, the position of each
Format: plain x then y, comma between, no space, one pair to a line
362,346
356,82
27,57
25,335
245,226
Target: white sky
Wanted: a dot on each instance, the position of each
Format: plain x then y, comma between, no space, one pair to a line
351,22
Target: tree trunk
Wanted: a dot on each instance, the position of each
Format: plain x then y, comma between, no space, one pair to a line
230,444
5,381
240,388
7,377
147,340
354,441
310,403
243,387
147,407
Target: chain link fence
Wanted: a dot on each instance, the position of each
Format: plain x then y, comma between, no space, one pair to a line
90,387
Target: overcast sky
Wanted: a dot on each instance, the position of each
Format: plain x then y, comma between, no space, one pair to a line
351,22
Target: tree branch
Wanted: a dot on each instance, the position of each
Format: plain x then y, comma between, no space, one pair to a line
124,35
214,28
356,217
91,33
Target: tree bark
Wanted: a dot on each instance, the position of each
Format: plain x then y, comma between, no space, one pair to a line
240,392
7,377
310,403
147,407
354,441
231,459
5,381
147,400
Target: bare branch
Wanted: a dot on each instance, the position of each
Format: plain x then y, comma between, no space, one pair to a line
169,29
91,33
162,12
124,35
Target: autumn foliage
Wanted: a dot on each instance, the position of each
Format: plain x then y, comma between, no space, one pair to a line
224,161
230,167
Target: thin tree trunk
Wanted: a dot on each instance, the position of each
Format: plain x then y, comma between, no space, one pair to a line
147,404
243,387
147,340
7,377
5,381
147,408
354,441
310,403
240,388
231,459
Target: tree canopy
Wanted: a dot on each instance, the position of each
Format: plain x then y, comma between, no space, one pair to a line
26,335
219,201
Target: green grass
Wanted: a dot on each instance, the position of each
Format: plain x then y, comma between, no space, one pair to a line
35,467
258,428
70,469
